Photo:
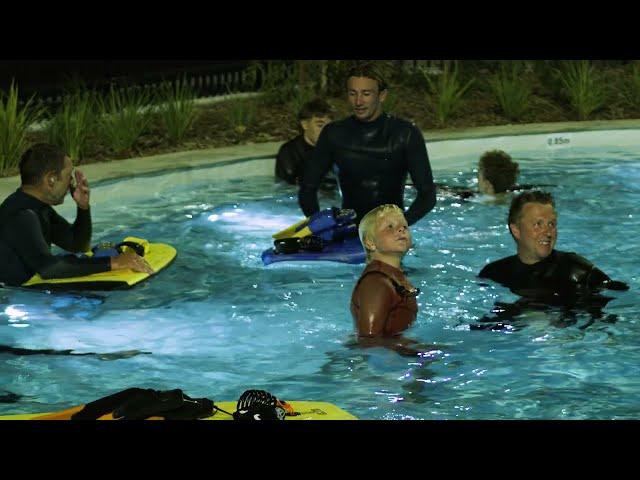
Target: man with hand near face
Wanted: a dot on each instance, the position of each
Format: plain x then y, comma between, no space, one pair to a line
29,224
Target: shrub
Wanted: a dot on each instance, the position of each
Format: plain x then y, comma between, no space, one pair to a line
123,116
177,109
242,114
512,90
14,122
71,125
582,86
445,94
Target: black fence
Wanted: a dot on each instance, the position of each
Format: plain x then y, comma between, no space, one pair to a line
49,80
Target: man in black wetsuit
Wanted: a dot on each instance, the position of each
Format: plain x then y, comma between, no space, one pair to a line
295,154
28,224
538,271
373,151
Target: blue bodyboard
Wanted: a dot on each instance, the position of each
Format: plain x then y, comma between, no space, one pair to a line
348,251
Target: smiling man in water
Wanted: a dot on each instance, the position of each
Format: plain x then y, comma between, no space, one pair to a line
538,271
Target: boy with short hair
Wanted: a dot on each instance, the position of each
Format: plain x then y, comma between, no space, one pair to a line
383,302
294,155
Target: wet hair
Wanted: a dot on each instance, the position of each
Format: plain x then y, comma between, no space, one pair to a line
317,107
369,222
499,169
38,160
368,70
519,201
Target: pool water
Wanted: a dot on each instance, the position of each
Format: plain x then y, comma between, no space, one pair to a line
217,322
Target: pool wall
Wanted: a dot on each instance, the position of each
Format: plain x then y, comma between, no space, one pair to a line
445,152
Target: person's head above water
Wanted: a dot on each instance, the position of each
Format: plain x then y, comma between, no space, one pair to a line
532,222
312,117
384,234
497,172
366,91
46,170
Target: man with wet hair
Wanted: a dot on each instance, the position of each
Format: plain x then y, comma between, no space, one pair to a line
373,151
497,172
295,154
29,224
538,271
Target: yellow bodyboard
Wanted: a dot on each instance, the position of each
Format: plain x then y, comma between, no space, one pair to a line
294,231
307,410
158,255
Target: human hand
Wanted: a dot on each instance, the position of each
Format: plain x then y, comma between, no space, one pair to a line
81,192
615,285
132,261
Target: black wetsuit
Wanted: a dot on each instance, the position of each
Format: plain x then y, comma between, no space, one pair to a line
292,160
455,190
561,277
465,192
373,160
28,227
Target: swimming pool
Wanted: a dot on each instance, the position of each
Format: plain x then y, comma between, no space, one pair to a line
216,322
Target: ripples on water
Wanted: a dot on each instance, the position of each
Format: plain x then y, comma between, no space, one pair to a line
216,322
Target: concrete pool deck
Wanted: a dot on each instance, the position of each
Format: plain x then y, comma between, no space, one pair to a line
209,157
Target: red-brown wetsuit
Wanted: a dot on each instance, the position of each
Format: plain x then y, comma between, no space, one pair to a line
383,302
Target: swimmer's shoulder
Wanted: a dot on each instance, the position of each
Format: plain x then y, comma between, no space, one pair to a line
402,125
498,269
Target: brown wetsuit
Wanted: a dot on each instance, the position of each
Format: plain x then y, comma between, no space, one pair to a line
383,301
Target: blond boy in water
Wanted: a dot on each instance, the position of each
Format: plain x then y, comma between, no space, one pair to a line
383,302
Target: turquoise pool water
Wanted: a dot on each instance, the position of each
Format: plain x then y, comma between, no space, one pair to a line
217,322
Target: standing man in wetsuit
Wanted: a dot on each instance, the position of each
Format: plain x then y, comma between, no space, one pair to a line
373,151
538,271
29,225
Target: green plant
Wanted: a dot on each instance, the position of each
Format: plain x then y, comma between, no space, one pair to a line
242,114
582,86
71,126
445,94
300,97
391,102
278,81
631,87
512,90
336,71
124,116
14,122
177,109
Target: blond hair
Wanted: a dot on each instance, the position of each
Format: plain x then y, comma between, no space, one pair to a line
369,223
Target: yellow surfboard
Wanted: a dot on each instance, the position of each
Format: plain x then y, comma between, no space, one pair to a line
307,410
158,255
